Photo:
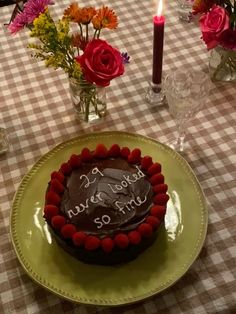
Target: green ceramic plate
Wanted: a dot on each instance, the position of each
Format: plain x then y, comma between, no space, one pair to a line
178,244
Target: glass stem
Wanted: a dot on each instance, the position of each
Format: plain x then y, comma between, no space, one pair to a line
182,125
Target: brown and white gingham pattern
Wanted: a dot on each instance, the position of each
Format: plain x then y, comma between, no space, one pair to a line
36,111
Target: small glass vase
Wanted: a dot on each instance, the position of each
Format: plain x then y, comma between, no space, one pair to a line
222,65
89,100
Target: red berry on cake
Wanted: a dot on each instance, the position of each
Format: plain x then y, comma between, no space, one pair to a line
121,240
114,151
145,230
161,199
92,243
56,186
135,156
58,222
65,168
79,238
157,178
57,175
153,221
154,168
75,161
125,151
134,237
100,151
53,198
68,230
107,245
158,211
50,211
146,162
160,188
86,155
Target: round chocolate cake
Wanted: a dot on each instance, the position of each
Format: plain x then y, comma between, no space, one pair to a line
105,206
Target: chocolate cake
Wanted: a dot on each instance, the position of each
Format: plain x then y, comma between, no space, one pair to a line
105,206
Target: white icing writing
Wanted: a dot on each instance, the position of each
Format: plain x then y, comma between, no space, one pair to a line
104,220
115,188
87,179
129,179
130,204
94,199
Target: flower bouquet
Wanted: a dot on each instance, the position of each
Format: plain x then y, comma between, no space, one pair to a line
218,26
90,62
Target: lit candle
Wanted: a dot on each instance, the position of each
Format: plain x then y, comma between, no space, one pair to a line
158,40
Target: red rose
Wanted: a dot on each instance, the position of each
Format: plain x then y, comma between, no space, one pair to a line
100,62
213,24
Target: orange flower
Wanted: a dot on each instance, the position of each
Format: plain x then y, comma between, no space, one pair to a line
79,41
202,6
86,14
105,18
73,12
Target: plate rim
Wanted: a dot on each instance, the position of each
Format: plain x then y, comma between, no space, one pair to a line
102,302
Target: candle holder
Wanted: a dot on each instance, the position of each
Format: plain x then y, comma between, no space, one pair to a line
155,94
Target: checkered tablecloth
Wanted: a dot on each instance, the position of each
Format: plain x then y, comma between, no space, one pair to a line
37,112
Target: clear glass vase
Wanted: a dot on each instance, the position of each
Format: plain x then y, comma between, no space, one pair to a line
222,65
89,100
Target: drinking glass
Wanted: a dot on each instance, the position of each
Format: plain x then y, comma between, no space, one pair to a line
185,10
186,93
4,144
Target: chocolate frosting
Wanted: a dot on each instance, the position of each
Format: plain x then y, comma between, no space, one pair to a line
107,196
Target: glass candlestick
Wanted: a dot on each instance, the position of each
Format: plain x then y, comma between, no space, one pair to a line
155,95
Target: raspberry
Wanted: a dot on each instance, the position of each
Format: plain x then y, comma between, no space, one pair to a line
134,237
79,238
92,243
58,222
145,230
125,151
153,221
158,211
68,230
50,211
107,245
157,178
114,151
160,188
100,151
75,161
56,186
135,156
161,199
146,162
154,168
86,155
65,168
121,240
57,175
53,198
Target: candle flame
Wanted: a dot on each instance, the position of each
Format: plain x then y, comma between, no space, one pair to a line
159,9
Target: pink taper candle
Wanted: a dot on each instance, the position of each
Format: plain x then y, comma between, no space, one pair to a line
158,40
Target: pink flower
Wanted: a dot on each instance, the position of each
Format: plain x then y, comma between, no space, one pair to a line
19,22
32,9
212,24
100,62
228,39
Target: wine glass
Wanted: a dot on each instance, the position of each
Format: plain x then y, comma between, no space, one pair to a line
186,93
4,144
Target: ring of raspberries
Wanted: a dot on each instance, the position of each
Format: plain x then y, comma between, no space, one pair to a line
60,223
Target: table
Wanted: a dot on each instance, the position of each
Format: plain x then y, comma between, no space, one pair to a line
36,111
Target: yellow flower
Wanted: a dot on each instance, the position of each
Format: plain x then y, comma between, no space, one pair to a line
105,18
